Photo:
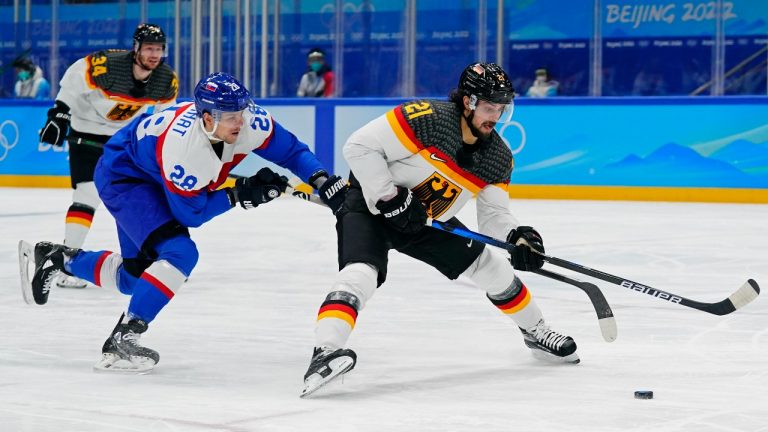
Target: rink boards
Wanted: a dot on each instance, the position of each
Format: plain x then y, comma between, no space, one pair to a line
672,149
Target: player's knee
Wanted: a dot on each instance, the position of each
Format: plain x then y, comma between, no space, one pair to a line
358,280
85,193
491,272
180,252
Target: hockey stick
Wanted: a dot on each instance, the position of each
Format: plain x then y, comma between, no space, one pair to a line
602,308
740,298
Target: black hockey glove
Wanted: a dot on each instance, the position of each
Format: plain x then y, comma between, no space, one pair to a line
260,188
404,212
526,241
55,129
332,192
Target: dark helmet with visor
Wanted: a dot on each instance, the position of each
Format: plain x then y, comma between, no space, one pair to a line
148,33
488,82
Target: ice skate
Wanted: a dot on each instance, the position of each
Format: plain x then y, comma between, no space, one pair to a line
122,352
549,345
326,365
49,264
66,281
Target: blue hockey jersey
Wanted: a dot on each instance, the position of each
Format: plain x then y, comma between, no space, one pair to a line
170,149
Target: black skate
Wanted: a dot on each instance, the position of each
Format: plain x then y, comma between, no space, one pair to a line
327,364
547,344
49,265
122,353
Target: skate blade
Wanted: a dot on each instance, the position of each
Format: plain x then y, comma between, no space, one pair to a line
26,258
112,363
551,358
339,367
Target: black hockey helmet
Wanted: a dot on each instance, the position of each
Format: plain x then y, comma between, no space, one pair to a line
487,81
148,33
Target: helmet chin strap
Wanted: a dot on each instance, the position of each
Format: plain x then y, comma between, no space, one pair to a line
472,129
137,61
211,136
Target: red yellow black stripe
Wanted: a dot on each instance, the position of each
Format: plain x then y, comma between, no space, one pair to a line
80,215
338,309
515,303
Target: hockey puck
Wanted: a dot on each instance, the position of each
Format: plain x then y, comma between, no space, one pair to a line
643,394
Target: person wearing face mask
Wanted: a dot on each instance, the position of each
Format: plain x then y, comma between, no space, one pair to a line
542,86
317,81
160,176
427,159
29,80
99,94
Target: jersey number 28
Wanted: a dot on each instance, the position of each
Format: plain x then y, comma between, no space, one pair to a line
260,118
183,182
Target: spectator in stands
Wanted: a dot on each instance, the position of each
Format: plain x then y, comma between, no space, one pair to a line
649,83
317,81
29,80
542,85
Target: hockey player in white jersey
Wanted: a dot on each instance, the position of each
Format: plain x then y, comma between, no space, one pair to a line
427,159
99,94
161,175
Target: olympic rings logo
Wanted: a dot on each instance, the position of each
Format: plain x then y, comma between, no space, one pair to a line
521,130
352,14
9,137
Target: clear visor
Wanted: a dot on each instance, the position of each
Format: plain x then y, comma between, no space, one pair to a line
150,49
495,112
229,118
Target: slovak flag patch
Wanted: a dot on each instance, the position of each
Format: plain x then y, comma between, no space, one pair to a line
211,86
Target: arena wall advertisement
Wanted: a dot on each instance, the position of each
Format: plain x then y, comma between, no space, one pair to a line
689,149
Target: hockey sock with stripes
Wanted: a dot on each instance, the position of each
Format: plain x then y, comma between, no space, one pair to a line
78,224
516,302
158,284
336,319
101,268
85,201
355,284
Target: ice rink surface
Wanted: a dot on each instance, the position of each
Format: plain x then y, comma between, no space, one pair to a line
433,355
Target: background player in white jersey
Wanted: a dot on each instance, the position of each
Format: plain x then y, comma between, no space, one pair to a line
428,158
99,94
162,174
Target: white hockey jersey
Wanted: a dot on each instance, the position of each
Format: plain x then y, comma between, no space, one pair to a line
414,146
102,96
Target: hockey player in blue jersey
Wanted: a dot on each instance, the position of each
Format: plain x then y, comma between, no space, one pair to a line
160,175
